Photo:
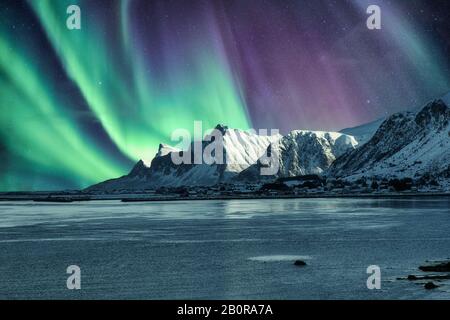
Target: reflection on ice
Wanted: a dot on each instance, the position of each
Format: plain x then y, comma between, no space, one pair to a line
277,258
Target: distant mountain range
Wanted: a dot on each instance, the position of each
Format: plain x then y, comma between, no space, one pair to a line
406,144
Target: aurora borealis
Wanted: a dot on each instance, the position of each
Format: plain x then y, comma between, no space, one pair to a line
81,106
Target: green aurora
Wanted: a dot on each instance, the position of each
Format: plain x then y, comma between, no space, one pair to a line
81,106
45,138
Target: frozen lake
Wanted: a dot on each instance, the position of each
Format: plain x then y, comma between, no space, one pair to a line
238,249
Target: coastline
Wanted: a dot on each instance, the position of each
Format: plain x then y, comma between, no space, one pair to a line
61,197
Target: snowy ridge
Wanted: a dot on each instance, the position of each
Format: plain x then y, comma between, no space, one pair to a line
364,132
165,149
303,152
407,144
241,149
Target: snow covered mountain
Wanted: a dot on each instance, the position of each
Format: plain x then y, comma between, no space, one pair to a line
364,132
407,144
413,144
241,149
302,152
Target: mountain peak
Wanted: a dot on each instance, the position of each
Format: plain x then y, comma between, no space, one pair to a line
139,169
221,127
165,149
436,114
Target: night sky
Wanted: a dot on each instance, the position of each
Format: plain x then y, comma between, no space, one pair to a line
81,106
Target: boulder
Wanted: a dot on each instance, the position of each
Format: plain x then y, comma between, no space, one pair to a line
440,267
299,263
430,286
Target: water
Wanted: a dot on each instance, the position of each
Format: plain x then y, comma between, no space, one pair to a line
240,249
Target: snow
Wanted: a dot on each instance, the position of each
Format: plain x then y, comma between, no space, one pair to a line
244,148
406,145
303,152
241,149
165,149
364,132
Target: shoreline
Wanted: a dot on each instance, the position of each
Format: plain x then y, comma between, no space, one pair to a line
59,197
318,196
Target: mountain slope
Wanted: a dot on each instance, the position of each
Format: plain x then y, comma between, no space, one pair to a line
364,132
407,144
303,152
240,150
